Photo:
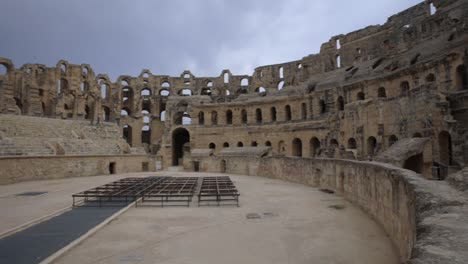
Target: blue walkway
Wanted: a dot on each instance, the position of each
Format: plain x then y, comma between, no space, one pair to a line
38,242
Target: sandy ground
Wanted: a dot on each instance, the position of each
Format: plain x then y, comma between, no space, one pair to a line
17,210
296,224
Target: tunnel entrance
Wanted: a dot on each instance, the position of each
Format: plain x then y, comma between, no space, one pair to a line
180,136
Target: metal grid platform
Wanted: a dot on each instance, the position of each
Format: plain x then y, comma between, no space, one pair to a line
176,191
116,193
220,190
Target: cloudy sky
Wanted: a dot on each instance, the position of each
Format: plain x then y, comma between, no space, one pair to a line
169,36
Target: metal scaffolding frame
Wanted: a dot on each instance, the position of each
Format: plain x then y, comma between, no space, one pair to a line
218,189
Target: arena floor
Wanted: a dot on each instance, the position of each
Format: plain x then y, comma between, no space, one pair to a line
277,222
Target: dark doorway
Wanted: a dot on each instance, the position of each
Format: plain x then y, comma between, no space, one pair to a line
144,166
445,148
196,166
112,168
127,134
180,136
414,163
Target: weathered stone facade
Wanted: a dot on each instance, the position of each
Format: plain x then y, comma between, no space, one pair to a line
396,93
360,94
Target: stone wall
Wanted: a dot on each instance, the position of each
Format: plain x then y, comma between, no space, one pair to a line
411,209
28,168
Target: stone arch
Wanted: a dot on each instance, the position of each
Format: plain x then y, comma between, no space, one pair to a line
371,146
340,103
258,115
180,137
229,117
445,148
297,147
392,140
314,147
287,113
127,134
352,144
146,135
201,118
461,79
244,116
273,114
281,147
381,92
214,118
240,144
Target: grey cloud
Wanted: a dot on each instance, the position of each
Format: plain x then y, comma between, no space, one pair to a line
168,37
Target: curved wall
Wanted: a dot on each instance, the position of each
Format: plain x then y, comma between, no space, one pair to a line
401,201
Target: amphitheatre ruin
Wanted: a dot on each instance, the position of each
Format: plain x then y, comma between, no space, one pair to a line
356,154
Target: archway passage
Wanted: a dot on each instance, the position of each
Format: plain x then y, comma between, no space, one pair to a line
445,146
414,163
180,136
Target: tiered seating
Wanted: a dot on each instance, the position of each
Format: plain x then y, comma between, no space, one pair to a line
24,135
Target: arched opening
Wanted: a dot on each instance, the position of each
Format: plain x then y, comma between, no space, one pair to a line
127,134
244,116
19,104
361,96
254,144
273,114
245,82
404,87
84,87
430,78
88,114
371,146
205,91
229,117
334,143
3,69
381,93
44,109
287,113
417,135
125,111
392,140
63,68
145,92
281,147
338,61
445,148
240,144
352,143
281,72
164,92
180,137
280,85
225,145
260,90
146,105
268,144
106,113
340,102
165,85
186,119
127,96
62,86
414,163
297,147
323,107
214,118
201,118
162,116
314,146
258,115
185,92
104,91
461,81
303,111
146,135
226,77
212,146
